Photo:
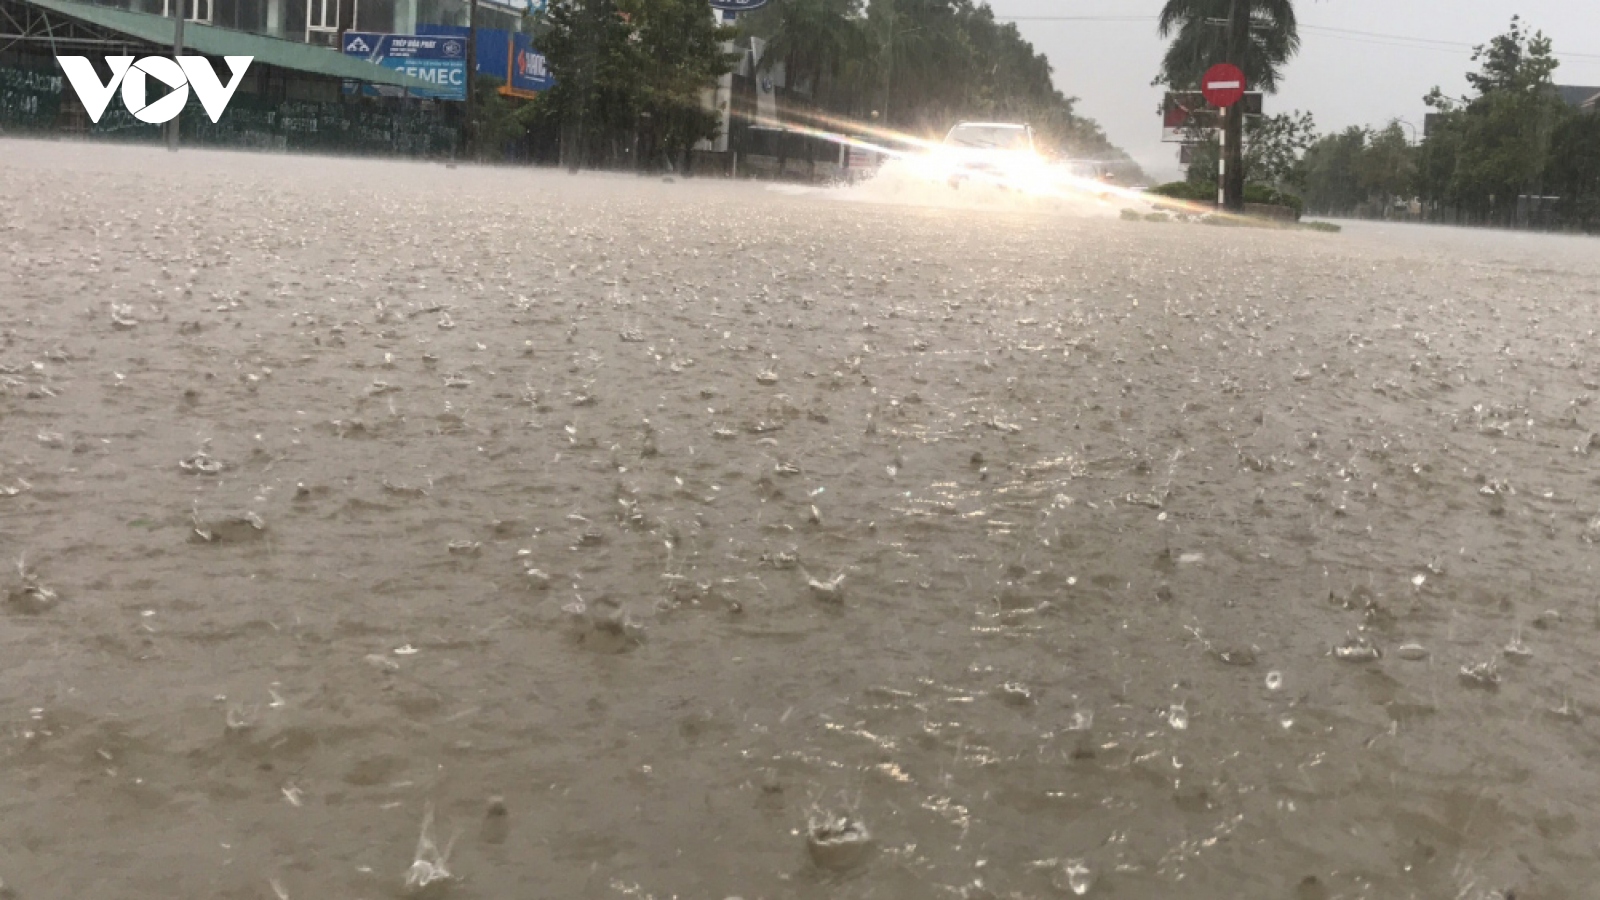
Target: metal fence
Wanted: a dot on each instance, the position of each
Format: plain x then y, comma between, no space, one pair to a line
35,102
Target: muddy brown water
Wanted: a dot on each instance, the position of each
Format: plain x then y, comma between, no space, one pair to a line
1120,508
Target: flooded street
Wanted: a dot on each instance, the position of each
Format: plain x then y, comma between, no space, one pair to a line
636,528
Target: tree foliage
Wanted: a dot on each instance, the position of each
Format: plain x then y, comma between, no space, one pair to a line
1198,41
1574,170
630,72
1487,150
1273,145
1272,150
814,40
1510,153
1387,168
919,66
1516,61
1343,172
631,75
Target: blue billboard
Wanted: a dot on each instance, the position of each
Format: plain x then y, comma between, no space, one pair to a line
440,59
506,55
528,71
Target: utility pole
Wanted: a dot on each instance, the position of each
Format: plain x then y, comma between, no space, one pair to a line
1230,181
470,126
182,12
888,81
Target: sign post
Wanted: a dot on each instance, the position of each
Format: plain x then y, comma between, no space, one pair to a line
1223,86
1186,117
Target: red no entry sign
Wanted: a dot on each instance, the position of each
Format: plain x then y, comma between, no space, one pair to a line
1223,85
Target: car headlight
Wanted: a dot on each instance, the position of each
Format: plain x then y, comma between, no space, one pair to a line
1025,167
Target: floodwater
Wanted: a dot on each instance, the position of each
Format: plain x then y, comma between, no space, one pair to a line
1177,561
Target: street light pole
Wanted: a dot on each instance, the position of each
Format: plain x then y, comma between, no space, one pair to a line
888,84
181,13
888,81
471,129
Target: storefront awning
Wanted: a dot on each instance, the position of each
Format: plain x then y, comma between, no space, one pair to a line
211,41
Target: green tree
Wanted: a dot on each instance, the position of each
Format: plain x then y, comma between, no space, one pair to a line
1514,61
1198,42
1436,160
814,40
1574,172
682,51
1331,172
1272,150
1273,145
590,50
1387,168
500,120
619,64
1486,151
922,65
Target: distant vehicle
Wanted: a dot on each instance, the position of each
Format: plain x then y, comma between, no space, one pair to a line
1088,170
997,151
1090,175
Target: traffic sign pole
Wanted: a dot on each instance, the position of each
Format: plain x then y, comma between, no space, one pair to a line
1224,87
1222,171
1238,41
469,122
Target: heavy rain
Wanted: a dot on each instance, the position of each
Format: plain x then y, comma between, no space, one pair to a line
381,527
713,531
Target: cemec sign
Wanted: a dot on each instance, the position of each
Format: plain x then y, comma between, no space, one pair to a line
179,75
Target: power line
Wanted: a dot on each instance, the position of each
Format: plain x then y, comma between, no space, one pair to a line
1351,34
1371,38
1000,18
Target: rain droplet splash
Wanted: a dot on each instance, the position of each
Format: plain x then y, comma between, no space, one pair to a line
1078,877
1178,717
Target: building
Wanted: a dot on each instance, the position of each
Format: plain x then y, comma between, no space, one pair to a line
302,91
1578,97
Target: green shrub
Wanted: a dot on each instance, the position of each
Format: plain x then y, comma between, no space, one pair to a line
1260,193
1183,190
1207,193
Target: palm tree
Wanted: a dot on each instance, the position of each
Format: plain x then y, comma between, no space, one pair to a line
1259,36
1199,33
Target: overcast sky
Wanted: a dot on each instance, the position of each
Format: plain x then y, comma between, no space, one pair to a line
1108,58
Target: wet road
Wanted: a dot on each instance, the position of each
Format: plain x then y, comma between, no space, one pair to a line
1176,560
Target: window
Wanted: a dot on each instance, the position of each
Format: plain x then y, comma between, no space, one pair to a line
250,15
375,15
322,21
194,10
442,12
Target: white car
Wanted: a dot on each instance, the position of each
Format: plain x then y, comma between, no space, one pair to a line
996,151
